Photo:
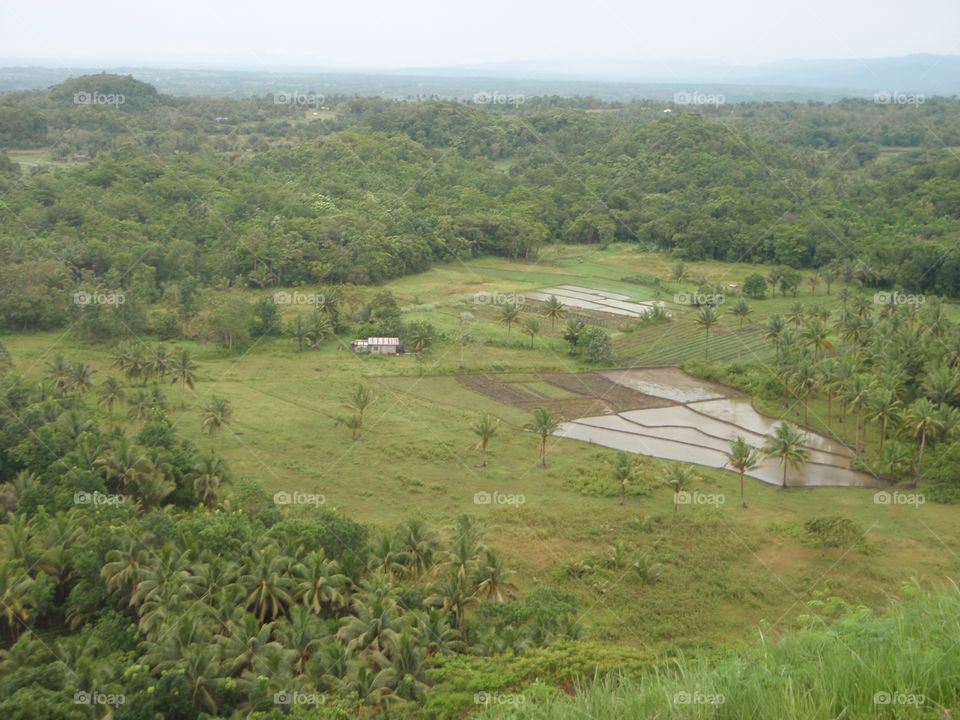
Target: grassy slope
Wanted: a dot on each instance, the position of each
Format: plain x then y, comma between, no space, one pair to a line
724,570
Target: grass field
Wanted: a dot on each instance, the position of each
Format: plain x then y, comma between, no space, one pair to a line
722,570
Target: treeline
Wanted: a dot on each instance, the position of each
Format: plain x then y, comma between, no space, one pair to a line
270,194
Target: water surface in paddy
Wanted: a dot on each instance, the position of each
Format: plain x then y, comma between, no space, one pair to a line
700,426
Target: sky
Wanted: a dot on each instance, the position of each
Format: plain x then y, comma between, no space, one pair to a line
394,34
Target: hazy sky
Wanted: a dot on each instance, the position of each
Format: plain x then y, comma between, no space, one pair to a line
419,33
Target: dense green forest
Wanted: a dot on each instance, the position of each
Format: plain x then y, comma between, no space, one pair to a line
144,242
155,192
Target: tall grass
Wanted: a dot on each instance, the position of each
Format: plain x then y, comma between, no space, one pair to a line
903,664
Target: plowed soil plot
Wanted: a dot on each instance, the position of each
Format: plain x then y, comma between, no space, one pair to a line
695,422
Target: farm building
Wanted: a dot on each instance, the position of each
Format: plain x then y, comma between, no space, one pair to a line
378,345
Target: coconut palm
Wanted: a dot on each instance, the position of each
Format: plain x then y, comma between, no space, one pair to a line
741,310
857,396
268,585
111,394
531,327
80,378
493,579
160,362
941,384
208,474
774,332
360,399
706,319
797,314
484,428
813,281
544,425
353,423
787,445
622,472
122,463
920,421
804,379
678,476
420,544
555,310
58,373
816,335
216,415
16,596
884,406
743,458
183,369
319,585
297,329
575,328
509,314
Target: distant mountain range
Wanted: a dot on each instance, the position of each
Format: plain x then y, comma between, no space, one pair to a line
820,80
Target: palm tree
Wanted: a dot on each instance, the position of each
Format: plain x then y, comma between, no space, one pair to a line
544,425
805,379
857,396
318,329
111,394
16,595
797,314
829,277
216,415
531,327
184,370
941,384
58,373
319,584
706,319
484,428
493,579
574,329
509,314
139,407
921,420
787,444
360,400
884,406
813,281
160,362
81,378
268,585
555,310
622,472
816,334
123,463
353,423
774,332
743,458
208,473
420,544
679,477
741,310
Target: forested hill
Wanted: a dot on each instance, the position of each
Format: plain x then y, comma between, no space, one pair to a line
107,182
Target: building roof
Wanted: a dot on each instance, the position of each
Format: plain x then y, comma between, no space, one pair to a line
383,341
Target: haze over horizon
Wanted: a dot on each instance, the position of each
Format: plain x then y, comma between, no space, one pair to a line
551,37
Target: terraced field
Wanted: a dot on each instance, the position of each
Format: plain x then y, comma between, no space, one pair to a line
678,341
